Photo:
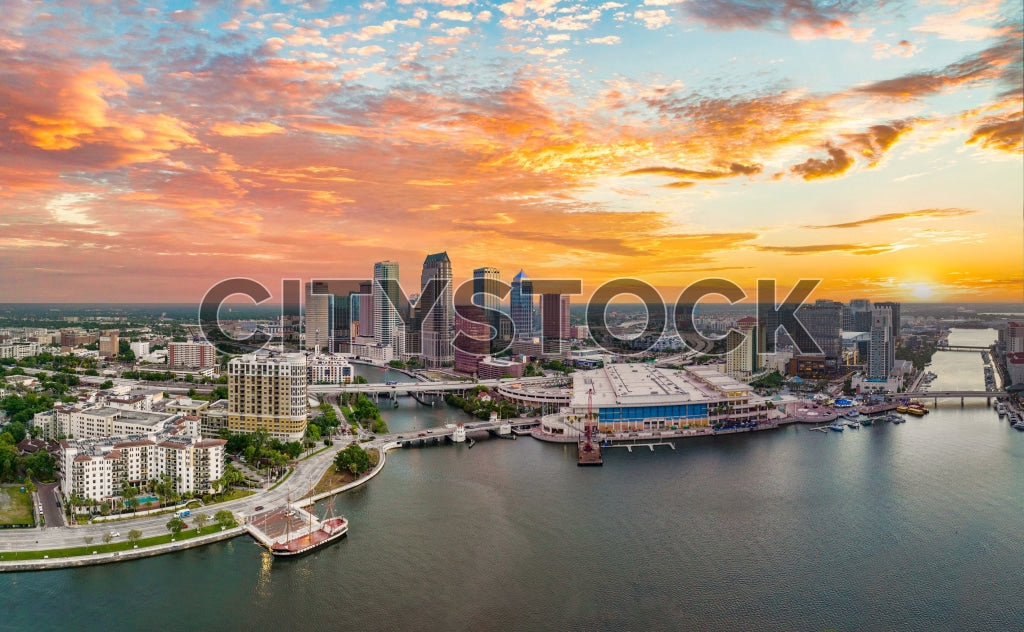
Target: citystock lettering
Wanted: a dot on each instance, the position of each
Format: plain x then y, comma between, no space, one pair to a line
400,323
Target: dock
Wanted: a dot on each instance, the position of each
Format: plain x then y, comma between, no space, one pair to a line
278,525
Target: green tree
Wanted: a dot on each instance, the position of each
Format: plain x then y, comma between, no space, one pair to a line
224,518
107,537
175,525
107,384
201,519
353,458
134,536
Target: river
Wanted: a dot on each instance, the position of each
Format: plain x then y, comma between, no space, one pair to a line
918,526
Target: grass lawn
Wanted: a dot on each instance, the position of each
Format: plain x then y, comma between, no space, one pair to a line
15,507
122,545
333,479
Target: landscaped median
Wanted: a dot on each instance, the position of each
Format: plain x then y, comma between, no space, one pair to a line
115,551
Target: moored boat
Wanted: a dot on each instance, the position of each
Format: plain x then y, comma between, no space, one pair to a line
330,530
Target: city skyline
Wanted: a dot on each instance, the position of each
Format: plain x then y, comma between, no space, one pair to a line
150,153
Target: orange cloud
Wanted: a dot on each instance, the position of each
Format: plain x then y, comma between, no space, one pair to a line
228,128
893,217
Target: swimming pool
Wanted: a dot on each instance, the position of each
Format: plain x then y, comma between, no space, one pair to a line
147,499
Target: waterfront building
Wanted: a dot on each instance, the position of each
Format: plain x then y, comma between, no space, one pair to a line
97,469
386,317
642,398
325,368
436,318
491,368
521,306
192,355
747,344
268,392
880,352
1013,337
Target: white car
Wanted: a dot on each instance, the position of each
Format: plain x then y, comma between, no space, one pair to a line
115,534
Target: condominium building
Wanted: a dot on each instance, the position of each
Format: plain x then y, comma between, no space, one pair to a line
268,392
747,342
880,351
386,317
139,348
98,469
192,355
328,369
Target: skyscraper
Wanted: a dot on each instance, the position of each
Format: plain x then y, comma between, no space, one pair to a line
859,315
487,294
823,321
747,342
386,318
894,336
880,353
319,318
554,315
521,305
110,343
364,309
472,344
435,310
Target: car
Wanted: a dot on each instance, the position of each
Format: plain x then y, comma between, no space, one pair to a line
258,508
40,507
429,431
422,434
115,534
399,437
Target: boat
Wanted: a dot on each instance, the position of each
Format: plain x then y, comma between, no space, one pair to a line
1001,409
916,411
836,426
330,530
853,424
901,409
899,420
851,414
867,421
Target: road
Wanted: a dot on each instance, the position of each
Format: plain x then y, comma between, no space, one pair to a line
305,474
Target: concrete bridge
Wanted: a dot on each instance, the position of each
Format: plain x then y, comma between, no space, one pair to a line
937,395
432,436
963,348
430,387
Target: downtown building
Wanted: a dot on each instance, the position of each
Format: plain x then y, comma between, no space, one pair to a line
881,354
319,324
554,319
435,319
747,342
268,392
388,328
472,338
521,306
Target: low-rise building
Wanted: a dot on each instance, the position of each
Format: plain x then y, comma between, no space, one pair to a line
326,368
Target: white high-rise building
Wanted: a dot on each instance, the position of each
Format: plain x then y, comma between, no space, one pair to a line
386,319
319,321
880,351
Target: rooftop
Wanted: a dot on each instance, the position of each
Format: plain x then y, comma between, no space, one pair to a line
643,384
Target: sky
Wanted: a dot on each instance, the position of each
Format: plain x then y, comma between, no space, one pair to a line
149,150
